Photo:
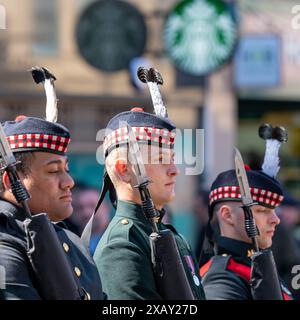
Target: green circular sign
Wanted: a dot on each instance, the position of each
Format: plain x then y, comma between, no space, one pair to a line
110,33
200,35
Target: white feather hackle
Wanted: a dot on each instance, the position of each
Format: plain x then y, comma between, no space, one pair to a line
159,107
271,160
51,106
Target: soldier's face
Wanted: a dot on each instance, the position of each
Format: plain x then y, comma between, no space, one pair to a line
162,171
266,220
49,185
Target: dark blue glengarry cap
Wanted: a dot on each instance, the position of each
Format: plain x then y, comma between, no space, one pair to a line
265,190
148,128
35,134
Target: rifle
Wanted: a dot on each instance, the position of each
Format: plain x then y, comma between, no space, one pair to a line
53,272
171,279
264,280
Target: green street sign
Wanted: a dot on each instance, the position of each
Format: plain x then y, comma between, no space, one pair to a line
200,35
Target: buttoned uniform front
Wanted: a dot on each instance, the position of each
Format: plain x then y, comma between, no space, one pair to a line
123,257
20,283
226,276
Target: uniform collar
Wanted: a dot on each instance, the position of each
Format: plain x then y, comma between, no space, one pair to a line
10,208
133,211
234,247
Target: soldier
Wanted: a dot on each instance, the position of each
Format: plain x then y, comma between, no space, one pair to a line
123,255
40,146
227,275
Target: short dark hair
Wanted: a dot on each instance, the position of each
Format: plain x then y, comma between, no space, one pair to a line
24,160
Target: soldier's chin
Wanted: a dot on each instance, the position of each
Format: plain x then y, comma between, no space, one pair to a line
65,212
265,244
69,210
171,197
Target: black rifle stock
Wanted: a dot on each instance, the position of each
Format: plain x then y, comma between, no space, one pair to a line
169,271
265,284
171,279
53,272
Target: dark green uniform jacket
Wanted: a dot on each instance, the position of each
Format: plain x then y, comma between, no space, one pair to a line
123,257
226,276
19,276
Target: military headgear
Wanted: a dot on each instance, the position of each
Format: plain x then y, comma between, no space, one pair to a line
149,129
265,190
35,134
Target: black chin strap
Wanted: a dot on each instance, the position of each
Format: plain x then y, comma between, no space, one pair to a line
106,186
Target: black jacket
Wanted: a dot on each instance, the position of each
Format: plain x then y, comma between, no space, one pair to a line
20,280
226,276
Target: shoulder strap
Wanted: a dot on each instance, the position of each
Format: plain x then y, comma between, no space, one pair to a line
107,185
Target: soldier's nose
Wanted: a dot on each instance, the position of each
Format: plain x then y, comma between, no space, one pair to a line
274,218
67,182
173,170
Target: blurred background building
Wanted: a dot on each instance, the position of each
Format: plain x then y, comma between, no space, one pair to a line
259,83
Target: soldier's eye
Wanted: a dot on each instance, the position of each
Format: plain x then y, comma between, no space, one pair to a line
53,169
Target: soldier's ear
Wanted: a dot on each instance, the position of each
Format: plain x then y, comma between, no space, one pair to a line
226,214
6,182
122,170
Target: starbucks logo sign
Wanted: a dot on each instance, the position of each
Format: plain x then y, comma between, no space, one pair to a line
200,35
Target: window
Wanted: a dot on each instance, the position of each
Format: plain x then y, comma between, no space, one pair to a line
45,33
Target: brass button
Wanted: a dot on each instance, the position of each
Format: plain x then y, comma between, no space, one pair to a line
124,221
250,253
77,271
66,247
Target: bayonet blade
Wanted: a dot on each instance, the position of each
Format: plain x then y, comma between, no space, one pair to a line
5,150
136,158
242,178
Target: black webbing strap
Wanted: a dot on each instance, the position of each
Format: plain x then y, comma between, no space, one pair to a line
106,186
